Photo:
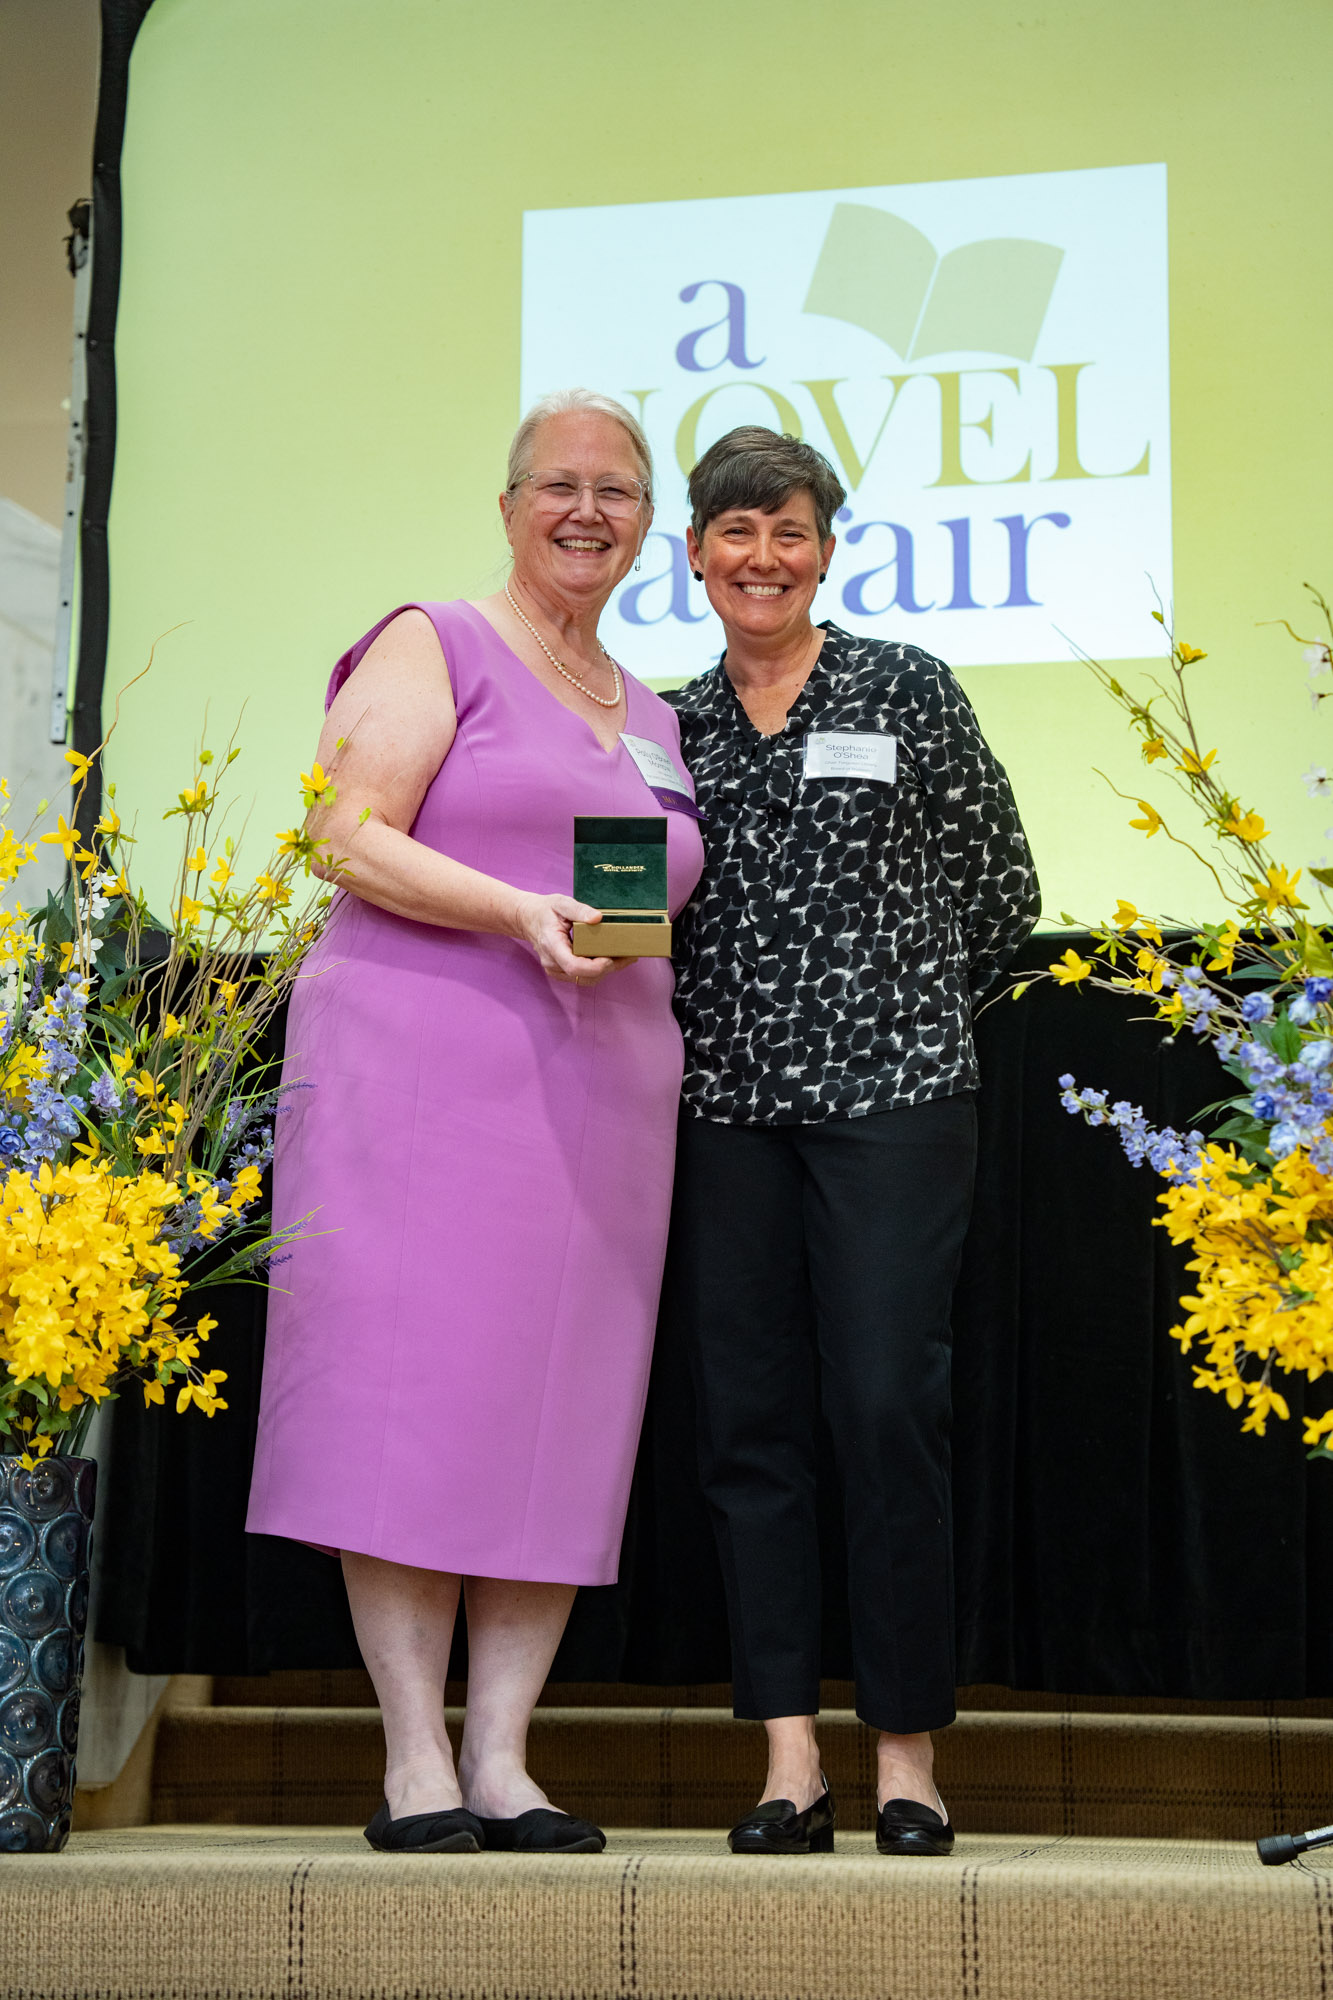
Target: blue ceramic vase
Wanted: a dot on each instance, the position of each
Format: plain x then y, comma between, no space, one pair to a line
45,1542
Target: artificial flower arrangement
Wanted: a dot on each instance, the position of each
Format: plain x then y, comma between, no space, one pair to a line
136,1110
1254,1201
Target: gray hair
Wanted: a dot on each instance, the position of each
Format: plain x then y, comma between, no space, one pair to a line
754,467
558,404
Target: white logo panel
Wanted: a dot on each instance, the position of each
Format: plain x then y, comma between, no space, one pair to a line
985,363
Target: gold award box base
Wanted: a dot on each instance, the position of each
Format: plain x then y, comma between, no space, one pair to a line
612,939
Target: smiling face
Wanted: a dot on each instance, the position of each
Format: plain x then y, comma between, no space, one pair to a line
761,571
568,548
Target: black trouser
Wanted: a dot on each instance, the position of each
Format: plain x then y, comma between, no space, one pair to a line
811,1267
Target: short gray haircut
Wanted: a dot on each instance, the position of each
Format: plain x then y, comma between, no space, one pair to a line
756,468
558,404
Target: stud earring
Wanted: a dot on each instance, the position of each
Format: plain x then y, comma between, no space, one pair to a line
823,574
698,575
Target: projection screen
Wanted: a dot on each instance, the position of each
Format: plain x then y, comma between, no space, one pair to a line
1053,294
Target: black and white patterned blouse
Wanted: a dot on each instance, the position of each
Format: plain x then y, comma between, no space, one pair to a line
826,964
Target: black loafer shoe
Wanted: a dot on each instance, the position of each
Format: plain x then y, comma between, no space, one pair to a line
543,1830
777,1828
904,1827
454,1832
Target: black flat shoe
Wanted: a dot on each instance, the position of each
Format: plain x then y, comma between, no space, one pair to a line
543,1830
905,1827
777,1828
454,1832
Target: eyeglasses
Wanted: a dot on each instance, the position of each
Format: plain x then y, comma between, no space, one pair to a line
555,491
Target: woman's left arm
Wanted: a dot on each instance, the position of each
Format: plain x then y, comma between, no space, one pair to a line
982,847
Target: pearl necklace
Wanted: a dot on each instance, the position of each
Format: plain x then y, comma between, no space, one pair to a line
559,665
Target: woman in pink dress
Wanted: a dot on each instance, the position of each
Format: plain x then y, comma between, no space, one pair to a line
457,1359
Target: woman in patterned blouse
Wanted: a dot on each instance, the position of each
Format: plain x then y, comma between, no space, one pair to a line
866,878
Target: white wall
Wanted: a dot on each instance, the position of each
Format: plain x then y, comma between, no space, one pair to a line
36,768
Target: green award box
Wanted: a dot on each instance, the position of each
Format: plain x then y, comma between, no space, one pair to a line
620,867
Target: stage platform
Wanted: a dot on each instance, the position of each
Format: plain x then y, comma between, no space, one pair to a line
309,1913
1105,1853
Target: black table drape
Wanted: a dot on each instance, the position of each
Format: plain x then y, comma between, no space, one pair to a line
1115,1531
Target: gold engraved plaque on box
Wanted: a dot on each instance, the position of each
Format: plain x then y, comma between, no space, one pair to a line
620,867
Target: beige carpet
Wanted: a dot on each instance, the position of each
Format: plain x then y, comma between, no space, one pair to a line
311,1914
1106,1855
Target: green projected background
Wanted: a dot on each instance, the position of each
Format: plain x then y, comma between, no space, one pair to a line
319,336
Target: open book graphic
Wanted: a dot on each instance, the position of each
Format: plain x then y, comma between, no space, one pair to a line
878,272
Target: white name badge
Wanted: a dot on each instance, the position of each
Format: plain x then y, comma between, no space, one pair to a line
656,765
838,753
659,771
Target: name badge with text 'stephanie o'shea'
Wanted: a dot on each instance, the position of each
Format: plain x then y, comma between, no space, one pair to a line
842,753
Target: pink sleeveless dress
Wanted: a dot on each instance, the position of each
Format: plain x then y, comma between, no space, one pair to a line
457,1360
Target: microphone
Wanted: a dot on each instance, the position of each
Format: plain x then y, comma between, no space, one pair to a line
1276,1848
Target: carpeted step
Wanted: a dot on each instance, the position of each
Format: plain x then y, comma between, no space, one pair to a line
1175,1777
316,1916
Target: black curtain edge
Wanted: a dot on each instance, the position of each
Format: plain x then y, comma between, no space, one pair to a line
121,22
